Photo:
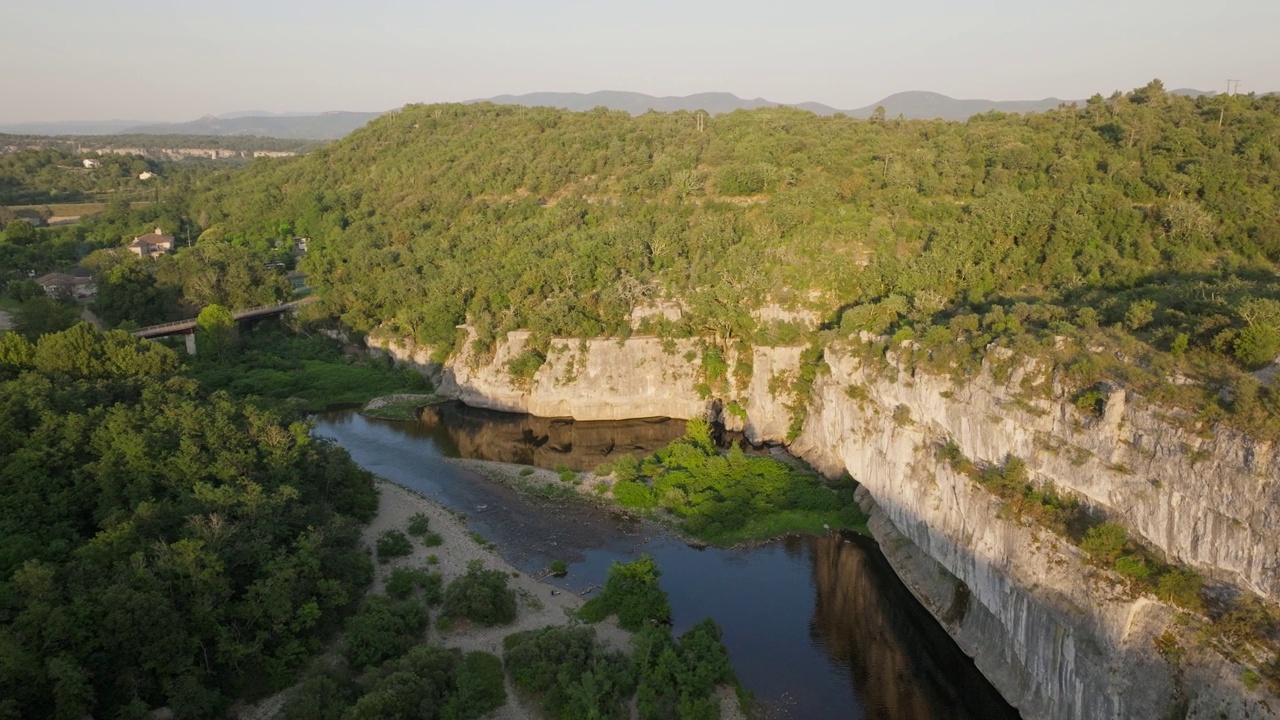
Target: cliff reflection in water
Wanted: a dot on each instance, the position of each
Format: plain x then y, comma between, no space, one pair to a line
467,432
903,664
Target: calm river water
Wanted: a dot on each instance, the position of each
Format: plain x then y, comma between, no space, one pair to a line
816,627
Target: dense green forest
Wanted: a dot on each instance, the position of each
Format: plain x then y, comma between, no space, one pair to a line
1140,218
160,544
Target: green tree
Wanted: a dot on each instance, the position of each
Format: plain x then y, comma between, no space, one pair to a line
128,291
42,316
216,333
481,596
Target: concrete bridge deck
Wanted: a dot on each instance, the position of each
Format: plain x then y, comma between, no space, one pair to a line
185,327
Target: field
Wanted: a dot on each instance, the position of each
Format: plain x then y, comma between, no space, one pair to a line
67,211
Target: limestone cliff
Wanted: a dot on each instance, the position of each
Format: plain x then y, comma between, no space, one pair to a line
1057,637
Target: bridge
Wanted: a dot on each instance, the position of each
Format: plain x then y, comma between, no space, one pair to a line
188,327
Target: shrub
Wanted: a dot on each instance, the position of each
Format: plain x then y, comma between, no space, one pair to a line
403,581
526,471
634,495
383,630
626,468
1105,542
1251,680
324,693
1133,567
559,568
481,596
632,593
573,674
478,688
1182,588
418,685
392,544
1092,402
566,474
419,524
525,366
433,540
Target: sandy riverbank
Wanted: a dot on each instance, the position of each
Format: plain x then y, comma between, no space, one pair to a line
537,606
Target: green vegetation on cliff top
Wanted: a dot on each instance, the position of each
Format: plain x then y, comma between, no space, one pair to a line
1141,218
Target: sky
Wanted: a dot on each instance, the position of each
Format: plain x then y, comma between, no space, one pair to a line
176,60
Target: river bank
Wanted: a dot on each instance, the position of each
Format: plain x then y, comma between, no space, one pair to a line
539,604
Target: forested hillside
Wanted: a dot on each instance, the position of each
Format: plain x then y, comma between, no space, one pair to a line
1144,215
160,545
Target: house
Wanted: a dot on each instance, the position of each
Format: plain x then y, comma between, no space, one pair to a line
146,175
56,284
90,163
152,244
300,245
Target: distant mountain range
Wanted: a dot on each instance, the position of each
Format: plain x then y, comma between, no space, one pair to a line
331,125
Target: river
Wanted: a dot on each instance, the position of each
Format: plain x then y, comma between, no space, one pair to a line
816,627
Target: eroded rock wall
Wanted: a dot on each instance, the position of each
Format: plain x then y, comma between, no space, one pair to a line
1057,637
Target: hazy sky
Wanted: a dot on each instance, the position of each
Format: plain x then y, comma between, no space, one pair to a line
178,59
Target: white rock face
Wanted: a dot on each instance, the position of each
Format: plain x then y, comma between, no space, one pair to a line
584,379
1057,637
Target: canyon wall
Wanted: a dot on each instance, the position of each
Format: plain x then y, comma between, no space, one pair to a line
1058,637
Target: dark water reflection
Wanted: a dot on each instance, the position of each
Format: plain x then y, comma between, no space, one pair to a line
815,627
462,431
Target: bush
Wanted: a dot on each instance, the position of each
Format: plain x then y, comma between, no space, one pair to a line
383,630
626,468
433,540
1105,542
634,495
633,593
526,471
393,544
478,689
573,674
419,524
1133,567
324,693
481,596
418,685
1182,588
559,568
403,581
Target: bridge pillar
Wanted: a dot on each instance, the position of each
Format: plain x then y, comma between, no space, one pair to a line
191,342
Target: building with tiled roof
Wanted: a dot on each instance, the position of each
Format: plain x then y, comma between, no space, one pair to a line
152,244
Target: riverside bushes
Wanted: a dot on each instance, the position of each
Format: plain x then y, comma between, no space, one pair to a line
575,676
481,596
734,497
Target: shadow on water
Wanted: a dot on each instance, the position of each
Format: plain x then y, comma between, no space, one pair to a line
468,432
815,627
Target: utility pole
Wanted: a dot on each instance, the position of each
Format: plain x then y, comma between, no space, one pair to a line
1222,111
701,121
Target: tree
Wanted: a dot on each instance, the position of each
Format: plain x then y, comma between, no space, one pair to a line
20,232
481,596
216,333
128,292
42,316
